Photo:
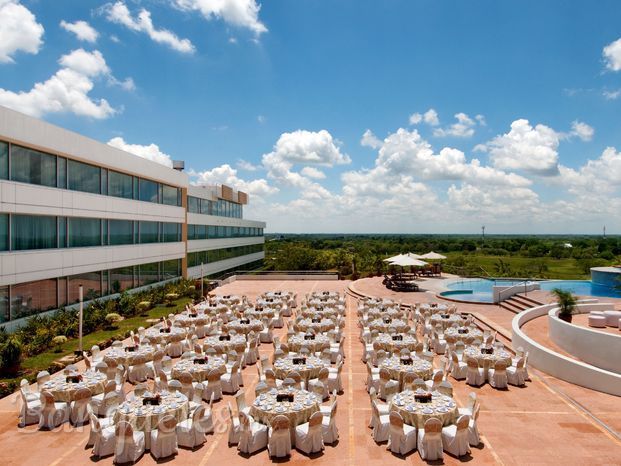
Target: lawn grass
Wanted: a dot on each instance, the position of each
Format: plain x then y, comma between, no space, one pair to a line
44,360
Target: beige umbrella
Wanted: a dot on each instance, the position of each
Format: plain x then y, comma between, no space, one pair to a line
394,258
414,256
408,261
433,256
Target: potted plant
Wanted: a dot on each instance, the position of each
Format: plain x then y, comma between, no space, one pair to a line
111,319
59,341
566,303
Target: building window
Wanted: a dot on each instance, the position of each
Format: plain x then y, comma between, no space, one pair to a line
4,232
121,232
120,185
149,191
149,232
121,279
62,172
169,195
83,177
4,163
91,283
4,304
84,232
148,273
31,166
33,297
171,269
193,205
171,232
33,232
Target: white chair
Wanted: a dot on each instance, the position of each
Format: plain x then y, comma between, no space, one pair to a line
329,429
279,444
79,407
252,436
469,408
387,387
383,409
234,427
230,380
42,377
30,393
266,335
95,354
381,427
138,372
129,444
335,382
437,378
30,411
308,436
109,400
240,401
102,438
154,367
191,432
164,438
459,369
516,375
402,438
475,375
430,440
52,414
214,385
497,376
321,381
473,431
455,437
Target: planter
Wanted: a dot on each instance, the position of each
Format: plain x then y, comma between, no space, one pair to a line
566,317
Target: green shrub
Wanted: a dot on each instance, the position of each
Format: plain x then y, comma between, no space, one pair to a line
59,341
11,355
112,319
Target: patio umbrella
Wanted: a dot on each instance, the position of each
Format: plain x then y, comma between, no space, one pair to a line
394,258
408,261
433,256
414,256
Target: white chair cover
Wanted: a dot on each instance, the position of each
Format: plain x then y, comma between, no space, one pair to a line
308,436
430,440
455,437
129,444
164,438
279,444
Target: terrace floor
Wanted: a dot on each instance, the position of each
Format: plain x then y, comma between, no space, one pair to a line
548,422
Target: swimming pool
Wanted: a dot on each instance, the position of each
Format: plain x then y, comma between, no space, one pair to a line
480,289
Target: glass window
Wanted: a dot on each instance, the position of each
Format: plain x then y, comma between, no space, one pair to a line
206,207
171,232
91,283
84,232
193,205
120,185
4,233
104,181
121,232
171,269
148,190
136,191
62,232
169,195
191,232
33,232
104,283
62,172
4,163
83,177
121,279
211,231
4,304
31,166
62,291
33,297
148,273
149,232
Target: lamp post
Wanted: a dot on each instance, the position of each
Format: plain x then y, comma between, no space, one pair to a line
80,315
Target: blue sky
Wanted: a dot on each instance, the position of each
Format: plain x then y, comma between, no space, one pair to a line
481,112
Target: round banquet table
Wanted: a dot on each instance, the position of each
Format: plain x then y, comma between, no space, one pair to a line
224,346
276,302
307,324
127,357
446,322
399,325
186,321
145,418
377,313
199,372
394,346
468,337
265,408
254,326
487,360
64,391
228,300
297,342
211,308
284,366
175,334
427,307
423,369
265,313
415,413
320,312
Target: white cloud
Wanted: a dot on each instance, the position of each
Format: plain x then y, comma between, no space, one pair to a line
120,14
612,55
225,174
430,117
115,39
611,95
261,119
82,30
582,130
463,128
151,152
242,13
525,148
601,175
67,90
308,147
370,140
19,30
247,166
312,172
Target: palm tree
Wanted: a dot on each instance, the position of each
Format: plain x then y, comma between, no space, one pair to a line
566,303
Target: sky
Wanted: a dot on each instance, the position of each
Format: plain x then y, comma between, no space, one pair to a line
349,116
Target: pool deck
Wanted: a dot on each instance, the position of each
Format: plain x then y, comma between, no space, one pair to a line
548,422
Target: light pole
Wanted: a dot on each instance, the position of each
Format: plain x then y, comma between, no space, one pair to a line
80,315
202,282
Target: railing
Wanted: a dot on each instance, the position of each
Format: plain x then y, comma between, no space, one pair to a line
274,273
506,293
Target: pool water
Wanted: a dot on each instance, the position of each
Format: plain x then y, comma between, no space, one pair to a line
480,289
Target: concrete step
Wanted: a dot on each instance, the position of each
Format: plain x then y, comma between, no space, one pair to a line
528,299
523,301
510,306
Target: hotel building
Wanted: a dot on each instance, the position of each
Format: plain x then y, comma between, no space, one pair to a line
75,211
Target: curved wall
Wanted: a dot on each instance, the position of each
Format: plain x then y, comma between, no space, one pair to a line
606,276
598,348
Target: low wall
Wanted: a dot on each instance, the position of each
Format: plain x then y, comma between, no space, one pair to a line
558,365
327,276
505,292
592,346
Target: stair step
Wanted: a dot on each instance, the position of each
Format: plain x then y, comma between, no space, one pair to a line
511,307
524,302
529,299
